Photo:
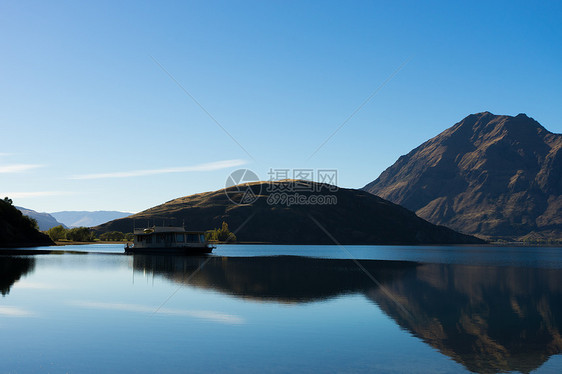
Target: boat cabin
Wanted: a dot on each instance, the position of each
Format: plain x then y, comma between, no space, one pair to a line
169,239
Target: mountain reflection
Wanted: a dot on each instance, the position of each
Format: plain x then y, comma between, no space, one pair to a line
489,319
12,269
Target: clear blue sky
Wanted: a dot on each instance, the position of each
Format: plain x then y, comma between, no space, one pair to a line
81,95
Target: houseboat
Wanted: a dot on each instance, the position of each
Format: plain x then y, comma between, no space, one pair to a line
168,240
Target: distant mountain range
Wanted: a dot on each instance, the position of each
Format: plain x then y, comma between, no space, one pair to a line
488,175
357,218
44,220
87,219
72,218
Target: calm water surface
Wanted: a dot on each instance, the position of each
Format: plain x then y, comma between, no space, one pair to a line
265,309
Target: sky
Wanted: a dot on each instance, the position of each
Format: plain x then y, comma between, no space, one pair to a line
124,105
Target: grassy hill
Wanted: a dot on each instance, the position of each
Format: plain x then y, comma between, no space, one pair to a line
357,217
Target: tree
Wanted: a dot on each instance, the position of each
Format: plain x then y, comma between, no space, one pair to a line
222,235
8,201
32,222
80,234
57,233
114,236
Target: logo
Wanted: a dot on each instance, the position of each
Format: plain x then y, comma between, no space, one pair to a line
239,187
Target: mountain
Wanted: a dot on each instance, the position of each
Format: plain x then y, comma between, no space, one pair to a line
44,220
488,175
87,219
353,217
17,230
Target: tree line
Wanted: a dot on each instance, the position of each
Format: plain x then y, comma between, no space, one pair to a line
84,234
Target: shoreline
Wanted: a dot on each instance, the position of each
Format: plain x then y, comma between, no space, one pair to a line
65,243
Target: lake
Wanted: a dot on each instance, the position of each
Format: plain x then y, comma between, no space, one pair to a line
265,308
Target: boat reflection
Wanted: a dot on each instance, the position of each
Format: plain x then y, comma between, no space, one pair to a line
12,269
489,319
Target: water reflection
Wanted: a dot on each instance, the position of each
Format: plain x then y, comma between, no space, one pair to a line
279,278
12,269
489,319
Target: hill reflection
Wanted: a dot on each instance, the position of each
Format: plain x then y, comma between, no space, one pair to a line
489,319
280,278
12,269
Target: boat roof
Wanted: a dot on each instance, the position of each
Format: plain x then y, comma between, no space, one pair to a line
165,229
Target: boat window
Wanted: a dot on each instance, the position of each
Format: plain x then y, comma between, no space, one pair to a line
180,238
149,239
202,238
192,238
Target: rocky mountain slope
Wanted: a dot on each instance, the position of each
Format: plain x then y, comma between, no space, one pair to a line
489,175
356,217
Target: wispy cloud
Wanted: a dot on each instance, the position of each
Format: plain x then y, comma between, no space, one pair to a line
12,311
209,315
17,168
24,195
141,173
